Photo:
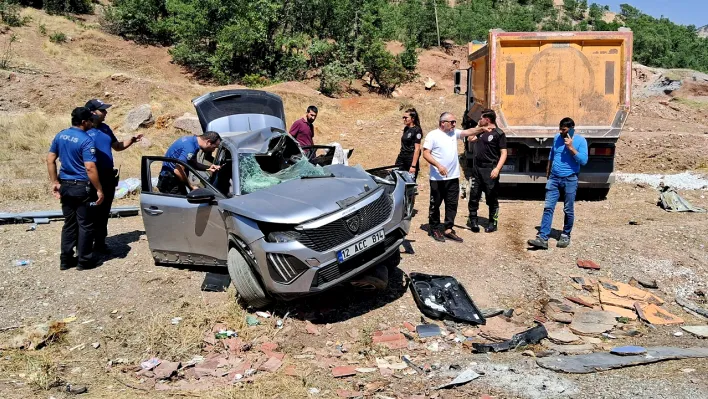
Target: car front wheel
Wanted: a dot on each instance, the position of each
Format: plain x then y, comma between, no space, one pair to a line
245,282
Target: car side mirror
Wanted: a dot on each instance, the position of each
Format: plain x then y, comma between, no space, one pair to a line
201,196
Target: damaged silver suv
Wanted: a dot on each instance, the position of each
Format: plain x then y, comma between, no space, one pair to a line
284,225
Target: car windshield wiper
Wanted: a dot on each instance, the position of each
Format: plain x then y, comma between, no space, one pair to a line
317,177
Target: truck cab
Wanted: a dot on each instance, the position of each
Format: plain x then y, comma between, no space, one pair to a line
532,80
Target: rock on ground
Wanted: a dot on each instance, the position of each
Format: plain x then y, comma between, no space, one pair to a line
189,123
138,117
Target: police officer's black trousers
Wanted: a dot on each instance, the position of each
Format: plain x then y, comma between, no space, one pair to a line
405,165
103,211
78,225
448,191
482,182
171,184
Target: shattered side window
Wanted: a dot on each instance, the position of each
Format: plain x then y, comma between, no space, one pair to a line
253,178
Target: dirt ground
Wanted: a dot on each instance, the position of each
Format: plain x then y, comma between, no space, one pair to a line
126,305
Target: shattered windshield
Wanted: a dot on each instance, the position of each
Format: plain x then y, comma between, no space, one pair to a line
254,178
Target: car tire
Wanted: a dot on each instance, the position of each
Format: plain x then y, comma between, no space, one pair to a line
375,279
245,282
392,261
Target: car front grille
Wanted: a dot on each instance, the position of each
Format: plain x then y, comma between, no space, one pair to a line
326,237
336,270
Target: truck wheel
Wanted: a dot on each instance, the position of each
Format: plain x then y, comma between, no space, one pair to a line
599,194
376,279
245,282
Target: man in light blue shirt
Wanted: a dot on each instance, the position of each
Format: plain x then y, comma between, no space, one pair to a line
568,153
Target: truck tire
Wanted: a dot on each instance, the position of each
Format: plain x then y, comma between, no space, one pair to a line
599,194
245,282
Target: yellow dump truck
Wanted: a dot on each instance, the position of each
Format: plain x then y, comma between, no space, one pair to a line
534,79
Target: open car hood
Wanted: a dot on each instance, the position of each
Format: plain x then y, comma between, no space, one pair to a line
299,200
239,111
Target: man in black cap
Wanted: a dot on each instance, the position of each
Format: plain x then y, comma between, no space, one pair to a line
105,141
76,185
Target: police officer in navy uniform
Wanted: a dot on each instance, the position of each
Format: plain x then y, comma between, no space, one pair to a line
489,158
105,141
173,177
77,186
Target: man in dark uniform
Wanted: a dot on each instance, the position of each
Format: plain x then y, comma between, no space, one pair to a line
76,185
489,157
173,177
105,141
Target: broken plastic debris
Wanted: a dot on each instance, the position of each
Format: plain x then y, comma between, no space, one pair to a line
528,337
462,378
602,361
23,262
252,320
628,350
150,364
428,330
223,334
176,320
264,315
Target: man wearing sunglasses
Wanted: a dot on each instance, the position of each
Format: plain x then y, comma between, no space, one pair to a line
440,150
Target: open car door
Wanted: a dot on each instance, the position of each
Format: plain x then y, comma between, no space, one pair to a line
182,229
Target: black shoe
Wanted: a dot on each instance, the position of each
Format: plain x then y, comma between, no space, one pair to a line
472,224
539,243
453,236
438,236
563,242
72,263
86,266
493,220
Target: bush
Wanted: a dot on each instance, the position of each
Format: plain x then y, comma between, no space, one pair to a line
320,52
68,6
144,21
42,29
409,57
334,76
57,37
386,69
255,80
10,14
6,53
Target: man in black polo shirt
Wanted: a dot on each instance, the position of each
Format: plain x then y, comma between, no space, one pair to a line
489,157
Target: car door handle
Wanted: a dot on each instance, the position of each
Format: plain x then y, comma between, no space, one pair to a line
152,210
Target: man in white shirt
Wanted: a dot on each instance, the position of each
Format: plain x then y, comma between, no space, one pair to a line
440,150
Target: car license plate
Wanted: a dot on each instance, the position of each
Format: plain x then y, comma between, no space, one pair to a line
507,168
360,246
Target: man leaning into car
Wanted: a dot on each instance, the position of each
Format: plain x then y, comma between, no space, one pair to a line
173,176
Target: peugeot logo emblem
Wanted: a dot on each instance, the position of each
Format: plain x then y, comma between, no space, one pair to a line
353,224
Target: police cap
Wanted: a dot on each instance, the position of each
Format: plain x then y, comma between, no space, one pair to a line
95,104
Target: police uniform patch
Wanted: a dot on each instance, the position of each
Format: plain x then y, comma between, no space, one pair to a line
190,155
419,136
93,150
491,137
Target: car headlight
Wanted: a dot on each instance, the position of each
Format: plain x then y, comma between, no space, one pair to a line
280,237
